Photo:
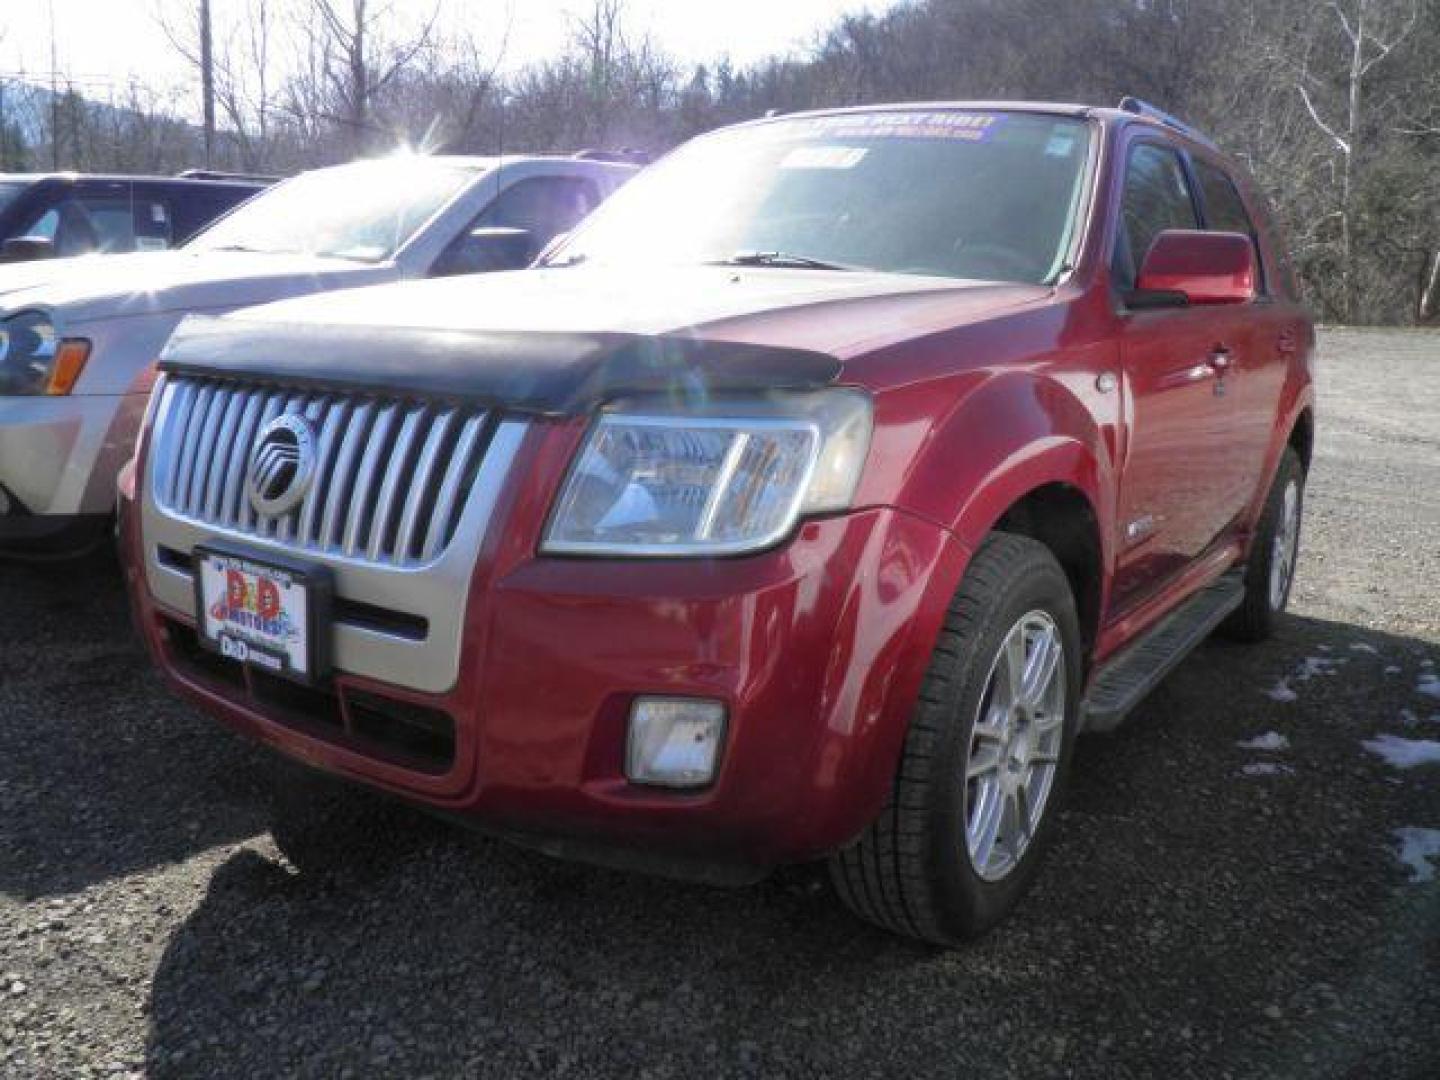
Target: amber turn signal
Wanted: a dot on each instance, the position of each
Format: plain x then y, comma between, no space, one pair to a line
70,360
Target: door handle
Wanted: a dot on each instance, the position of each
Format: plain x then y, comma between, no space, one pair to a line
1221,359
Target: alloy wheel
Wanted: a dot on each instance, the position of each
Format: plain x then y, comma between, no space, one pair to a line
1015,745
1284,545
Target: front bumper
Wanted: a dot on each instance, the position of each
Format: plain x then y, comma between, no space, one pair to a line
817,649
58,461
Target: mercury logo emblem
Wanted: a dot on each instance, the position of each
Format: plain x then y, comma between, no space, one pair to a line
282,465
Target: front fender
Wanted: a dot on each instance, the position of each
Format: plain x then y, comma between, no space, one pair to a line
123,350
1006,435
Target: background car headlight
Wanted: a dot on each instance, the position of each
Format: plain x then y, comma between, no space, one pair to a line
34,359
734,477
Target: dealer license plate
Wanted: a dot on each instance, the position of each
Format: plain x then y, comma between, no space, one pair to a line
260,613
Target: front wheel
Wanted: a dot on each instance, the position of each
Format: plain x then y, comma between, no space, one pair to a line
1271,569
984,764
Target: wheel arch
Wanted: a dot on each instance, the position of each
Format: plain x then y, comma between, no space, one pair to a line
1023,454
1302,436
1062,518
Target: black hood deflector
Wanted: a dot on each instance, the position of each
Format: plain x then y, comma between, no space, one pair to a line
561,374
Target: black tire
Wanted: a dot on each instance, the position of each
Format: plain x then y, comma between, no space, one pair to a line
911,871
1255,618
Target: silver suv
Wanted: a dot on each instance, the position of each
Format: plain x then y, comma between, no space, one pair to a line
78,337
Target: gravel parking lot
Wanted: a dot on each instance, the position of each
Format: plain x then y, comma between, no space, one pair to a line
1212,908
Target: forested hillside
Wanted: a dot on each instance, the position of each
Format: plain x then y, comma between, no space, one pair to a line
1335,107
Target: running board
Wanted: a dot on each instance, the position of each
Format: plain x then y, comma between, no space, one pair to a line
1123,681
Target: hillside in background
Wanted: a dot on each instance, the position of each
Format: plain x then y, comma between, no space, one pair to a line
1334,108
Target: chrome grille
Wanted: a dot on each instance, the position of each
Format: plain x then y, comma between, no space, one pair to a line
392,472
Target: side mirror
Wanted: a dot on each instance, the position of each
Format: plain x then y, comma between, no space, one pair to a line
485,249
26,248
1186,266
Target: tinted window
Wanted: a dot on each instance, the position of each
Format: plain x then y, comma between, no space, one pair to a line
958,193
1224,209
1156,198
193,206
1224,212
154,230
9,191
543,206
83,222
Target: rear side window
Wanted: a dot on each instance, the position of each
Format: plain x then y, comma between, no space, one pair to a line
86,220
1224,209
1157,197
194,206
1224,212
154,231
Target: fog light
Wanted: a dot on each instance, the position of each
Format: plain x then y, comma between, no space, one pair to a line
674,742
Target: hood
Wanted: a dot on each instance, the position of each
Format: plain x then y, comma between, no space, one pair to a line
102,286
838,313
563,341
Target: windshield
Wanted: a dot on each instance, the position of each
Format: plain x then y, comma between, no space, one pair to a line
365,211
987,195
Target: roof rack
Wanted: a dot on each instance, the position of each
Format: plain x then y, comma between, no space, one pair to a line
1160,116
213,174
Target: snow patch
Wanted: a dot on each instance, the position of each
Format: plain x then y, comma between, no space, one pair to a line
1392,669
1265,768
1315,665
1429,684
1417,848
1271,740
1306,670
1404,753
1361,646
1281,692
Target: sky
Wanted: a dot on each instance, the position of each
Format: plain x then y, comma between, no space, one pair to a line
107,43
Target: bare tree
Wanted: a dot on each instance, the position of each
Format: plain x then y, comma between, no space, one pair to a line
359,60
600,39
240,69
1372,30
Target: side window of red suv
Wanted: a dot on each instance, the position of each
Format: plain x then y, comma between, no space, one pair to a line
1157,197
1224,209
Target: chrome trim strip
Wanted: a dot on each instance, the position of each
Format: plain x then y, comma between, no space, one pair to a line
356,434
422,483
357,520
449,494
396,469
329,442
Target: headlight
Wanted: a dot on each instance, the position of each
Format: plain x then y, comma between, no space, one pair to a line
732,478
34,359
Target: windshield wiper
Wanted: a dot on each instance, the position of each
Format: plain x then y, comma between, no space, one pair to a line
781,259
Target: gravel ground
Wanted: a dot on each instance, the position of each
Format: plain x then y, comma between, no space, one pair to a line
1210,910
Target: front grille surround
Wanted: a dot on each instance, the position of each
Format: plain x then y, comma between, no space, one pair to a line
419,590
391,472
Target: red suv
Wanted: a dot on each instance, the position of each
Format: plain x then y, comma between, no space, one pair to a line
807,501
